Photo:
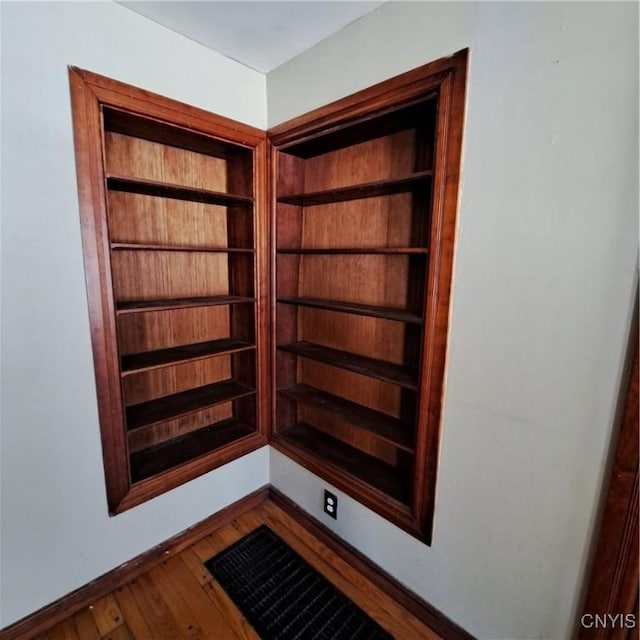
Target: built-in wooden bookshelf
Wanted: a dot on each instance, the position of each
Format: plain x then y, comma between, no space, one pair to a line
318,323
174,233
364,213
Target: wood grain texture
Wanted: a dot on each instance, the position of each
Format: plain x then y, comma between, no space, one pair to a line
164,221
106,614
86,628
155,460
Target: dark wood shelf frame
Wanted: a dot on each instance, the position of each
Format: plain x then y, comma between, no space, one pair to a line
372,367
375,189
133,363
174,191
383,426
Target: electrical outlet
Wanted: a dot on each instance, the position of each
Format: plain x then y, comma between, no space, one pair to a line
331,504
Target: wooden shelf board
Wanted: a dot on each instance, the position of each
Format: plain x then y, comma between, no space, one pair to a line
136,362
381,425
387,313
135,246
174,191
409,251
161,457
358,191
380,369
333,452
180,404
140,306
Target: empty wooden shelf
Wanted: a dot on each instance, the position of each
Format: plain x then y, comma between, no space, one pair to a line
387,480
137,362
387,371
178,192
380,424
156,459
184,403
385,187
391,313
289,286
140,306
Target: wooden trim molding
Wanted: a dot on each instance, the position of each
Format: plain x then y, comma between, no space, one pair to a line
47,617
421,609
614,582
50,615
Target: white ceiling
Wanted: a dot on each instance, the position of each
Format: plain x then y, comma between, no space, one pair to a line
262,35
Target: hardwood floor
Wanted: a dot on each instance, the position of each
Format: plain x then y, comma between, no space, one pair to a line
178,598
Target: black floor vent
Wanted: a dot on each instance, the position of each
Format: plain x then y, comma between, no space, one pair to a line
283,597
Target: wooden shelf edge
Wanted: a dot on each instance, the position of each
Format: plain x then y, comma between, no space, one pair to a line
142,186
161,457
356,308
144,490
165,304
135,246
374,189
144,361
409,251
184,403
397,512
380,425
368,470
363,365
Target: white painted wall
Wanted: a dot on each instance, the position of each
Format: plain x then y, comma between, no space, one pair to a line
55,533
546,265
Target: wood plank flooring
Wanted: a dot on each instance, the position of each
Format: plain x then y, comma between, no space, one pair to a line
179,599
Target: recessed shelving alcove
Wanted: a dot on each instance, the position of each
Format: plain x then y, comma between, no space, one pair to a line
289,286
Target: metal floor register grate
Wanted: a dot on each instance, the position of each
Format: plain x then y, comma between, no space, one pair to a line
283,597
